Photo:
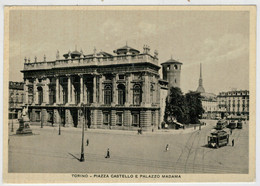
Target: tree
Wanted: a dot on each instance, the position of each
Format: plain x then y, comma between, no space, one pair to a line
175,106
185,109
193,102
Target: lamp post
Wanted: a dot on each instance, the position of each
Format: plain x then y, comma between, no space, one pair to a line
82,158
60,120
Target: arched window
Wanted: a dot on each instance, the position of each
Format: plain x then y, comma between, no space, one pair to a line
137,95
52,96
40,95
175,67
108,95
121,94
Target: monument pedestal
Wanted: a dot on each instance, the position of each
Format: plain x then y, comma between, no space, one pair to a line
24,126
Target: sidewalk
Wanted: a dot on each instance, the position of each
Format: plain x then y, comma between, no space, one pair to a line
36,128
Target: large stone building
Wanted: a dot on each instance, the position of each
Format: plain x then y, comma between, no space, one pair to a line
208,100
16,94
234,103
100,90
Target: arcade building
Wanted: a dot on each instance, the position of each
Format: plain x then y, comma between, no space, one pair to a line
100,90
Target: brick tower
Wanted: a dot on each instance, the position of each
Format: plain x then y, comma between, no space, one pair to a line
172,72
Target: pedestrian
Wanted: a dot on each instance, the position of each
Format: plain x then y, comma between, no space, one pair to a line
230,131
87,142
108,154
167,147
233,143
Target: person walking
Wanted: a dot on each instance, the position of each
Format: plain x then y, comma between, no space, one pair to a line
230,131
87,142
233,143
167,147
108,154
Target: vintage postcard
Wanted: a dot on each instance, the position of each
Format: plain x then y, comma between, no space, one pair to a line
103,94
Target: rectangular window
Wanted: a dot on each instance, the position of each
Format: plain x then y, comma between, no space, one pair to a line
38,115
106,118
119,118
136,119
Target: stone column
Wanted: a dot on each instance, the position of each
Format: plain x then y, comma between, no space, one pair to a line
101,93
61,101
129,90
72,92
69,89
145,90
94,89
46,91
81,88
35,92
85,95
26,83
57,90
115,101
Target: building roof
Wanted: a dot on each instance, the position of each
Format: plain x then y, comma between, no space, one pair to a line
102,53
172,61
125,49
200,89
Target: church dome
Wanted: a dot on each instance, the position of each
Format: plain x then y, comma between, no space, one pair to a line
125,50
200,89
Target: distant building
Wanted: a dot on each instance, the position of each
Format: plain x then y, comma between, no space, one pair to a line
16,96
100,90
200,88
210,105
208,100
234,103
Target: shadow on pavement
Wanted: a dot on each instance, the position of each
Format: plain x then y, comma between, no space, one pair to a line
74,157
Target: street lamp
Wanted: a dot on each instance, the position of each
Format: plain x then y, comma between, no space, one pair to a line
60,109
82,142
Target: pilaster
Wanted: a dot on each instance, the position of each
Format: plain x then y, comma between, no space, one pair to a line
57,90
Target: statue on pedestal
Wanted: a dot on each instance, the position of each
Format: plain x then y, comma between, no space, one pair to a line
24,122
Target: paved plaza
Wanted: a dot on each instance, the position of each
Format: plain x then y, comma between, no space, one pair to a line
48,152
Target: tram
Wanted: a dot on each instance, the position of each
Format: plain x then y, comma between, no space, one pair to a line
239,125
232,124
218,138
221,124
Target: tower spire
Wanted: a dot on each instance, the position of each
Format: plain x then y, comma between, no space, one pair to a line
200,71
200,87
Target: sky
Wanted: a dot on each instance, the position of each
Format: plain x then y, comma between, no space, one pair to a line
219,40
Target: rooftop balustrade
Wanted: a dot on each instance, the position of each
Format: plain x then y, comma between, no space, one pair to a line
100,61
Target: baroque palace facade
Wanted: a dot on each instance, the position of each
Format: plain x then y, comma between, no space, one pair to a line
100,90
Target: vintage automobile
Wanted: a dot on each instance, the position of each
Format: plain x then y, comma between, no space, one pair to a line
218,139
